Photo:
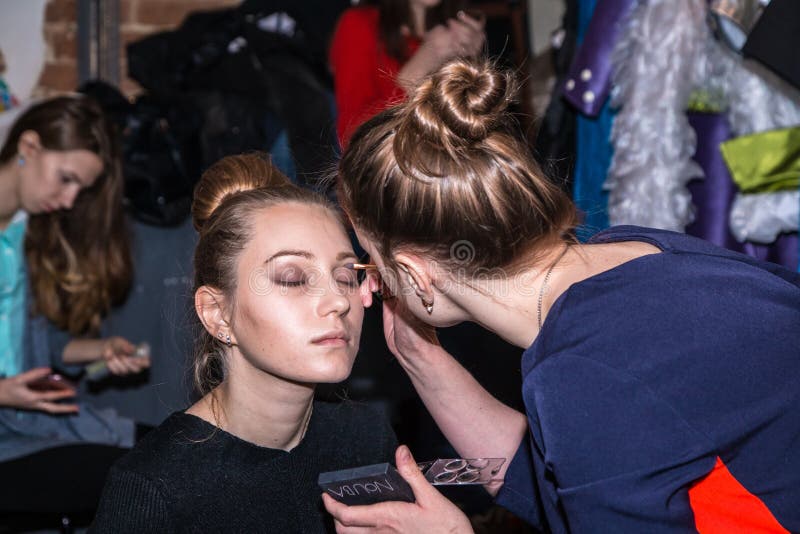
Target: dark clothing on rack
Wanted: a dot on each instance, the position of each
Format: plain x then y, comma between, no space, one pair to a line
774,37
189,476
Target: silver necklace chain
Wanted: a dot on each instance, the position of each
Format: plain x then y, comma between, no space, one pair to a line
544,284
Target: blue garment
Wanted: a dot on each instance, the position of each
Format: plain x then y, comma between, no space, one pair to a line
593,151
13,282
647,376
24,432
593,155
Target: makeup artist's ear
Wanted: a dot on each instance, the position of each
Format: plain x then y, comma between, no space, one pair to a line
210,305
415,273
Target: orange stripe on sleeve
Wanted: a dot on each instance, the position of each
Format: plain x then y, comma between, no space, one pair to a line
721,505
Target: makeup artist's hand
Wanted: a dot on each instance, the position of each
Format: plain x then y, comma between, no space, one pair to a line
432,513
406,336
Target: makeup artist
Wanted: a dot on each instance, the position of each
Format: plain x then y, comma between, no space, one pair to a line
659,372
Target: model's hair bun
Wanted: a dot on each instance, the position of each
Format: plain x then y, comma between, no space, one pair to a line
465,100
229,176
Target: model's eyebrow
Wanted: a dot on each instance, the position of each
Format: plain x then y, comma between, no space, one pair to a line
345,256
301,253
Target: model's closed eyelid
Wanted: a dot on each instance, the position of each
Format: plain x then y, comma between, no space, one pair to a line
347,276
289,274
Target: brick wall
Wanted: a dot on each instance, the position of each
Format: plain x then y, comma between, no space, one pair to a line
138,18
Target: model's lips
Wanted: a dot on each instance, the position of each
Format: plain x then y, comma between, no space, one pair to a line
337,337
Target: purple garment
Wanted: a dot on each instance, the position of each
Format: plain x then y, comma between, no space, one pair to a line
589,80
714,195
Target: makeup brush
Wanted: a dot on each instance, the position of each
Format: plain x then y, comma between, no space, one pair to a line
360,266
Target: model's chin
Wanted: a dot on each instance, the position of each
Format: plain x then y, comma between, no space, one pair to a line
336,368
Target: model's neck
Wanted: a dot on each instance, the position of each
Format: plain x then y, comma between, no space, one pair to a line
9,195
258,407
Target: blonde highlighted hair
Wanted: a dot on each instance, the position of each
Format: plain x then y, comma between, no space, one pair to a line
449,166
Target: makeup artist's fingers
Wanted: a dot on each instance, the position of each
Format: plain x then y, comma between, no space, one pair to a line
409,470
370,518
375,281
365,293
372,283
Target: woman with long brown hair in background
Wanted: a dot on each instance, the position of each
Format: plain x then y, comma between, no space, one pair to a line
65,260
381,49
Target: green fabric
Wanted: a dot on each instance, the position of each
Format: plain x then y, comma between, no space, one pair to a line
765,162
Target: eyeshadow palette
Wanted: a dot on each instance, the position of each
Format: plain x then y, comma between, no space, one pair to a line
375,483
368,484
458,471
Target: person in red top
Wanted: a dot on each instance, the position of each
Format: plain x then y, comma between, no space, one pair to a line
377,51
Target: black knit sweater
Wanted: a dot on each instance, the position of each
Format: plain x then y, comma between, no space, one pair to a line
189,476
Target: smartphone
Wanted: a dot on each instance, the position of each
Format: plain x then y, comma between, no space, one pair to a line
51,382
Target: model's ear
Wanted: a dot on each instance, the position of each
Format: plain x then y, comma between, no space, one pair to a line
29,144
416,273
212,309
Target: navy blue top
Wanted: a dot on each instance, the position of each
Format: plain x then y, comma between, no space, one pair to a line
650,376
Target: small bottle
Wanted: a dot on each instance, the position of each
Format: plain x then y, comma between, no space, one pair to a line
99,370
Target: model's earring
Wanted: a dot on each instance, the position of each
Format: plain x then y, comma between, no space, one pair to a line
428,306
21,161
228,340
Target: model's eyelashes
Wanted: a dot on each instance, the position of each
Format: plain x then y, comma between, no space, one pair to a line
346,276
291,277
298,277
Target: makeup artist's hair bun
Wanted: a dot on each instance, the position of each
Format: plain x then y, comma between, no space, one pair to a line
229,176
463,102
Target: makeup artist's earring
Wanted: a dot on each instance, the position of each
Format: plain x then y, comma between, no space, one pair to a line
428,306
21,161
